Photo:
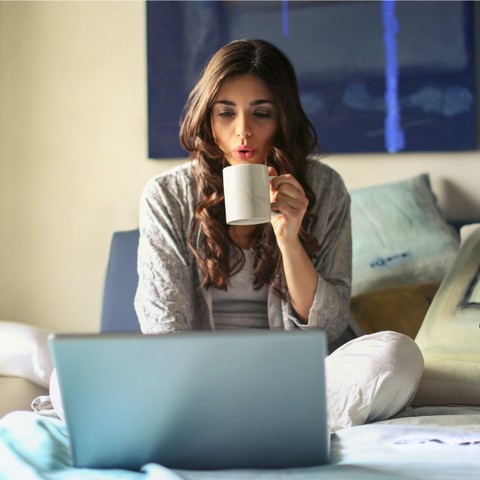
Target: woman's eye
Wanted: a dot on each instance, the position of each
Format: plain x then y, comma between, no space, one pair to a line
225,114
262,114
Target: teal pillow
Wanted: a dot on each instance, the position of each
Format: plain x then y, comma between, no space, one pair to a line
399,236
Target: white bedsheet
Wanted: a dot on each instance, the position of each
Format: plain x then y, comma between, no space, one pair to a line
440,443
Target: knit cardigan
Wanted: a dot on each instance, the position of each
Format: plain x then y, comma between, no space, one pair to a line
169,297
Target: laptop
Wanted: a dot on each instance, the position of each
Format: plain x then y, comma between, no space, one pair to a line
196,401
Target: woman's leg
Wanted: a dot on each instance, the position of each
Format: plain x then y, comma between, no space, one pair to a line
371,378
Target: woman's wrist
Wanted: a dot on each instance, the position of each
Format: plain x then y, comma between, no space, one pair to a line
301,277
290,246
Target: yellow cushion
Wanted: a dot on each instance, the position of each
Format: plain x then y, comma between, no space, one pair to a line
401,309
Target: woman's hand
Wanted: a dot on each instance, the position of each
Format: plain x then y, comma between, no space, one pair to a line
288,197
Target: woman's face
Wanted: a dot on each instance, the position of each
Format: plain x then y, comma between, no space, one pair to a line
244,120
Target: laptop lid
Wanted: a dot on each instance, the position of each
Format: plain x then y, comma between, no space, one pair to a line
197,400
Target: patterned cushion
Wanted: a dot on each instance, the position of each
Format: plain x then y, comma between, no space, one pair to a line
450,335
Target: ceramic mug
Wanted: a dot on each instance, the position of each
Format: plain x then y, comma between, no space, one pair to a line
247,194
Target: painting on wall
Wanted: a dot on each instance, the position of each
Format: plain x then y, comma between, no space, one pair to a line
373,76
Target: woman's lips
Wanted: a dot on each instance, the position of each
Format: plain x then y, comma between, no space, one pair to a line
244,152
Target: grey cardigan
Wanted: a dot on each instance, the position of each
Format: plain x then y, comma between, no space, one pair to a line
168,297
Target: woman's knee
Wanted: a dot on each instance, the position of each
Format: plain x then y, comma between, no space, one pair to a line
399,367
384,369
386,350
407,355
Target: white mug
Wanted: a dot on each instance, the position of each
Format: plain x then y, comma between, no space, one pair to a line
247,194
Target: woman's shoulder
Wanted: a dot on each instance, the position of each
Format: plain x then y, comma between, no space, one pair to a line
178,182
322,177
178,174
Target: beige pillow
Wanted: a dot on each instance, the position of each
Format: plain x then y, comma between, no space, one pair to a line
401,309
467,230
450,335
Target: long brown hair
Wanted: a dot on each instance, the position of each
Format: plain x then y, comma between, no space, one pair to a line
294,140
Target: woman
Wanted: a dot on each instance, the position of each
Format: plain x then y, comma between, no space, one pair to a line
183,214
196,272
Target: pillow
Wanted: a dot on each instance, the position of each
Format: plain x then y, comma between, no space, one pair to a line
467,230
401,309
449,337
400,236
24,352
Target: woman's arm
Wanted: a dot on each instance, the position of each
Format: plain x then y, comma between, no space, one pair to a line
301,278
165,299
300,274
319,289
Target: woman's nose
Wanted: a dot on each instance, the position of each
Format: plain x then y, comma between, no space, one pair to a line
243,129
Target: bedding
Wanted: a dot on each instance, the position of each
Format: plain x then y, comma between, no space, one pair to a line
25,365
441,443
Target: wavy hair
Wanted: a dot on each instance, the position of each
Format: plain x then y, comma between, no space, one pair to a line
294,140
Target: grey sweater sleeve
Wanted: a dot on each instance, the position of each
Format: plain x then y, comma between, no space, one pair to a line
164,301
334,261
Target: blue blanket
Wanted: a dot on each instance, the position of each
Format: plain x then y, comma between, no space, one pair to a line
436,443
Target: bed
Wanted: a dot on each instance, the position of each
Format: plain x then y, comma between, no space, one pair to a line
405,255
429,442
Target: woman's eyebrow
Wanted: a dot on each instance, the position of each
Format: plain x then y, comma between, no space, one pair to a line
260,102
252,104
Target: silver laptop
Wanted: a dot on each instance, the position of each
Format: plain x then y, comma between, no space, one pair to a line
197,400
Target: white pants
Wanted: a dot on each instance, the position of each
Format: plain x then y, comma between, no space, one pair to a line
371,378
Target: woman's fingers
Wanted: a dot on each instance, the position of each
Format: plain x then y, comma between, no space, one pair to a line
285,209
294,203
289,194
288,197
285,181
289,207
288,191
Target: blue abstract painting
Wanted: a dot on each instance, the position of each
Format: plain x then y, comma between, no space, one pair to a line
380,76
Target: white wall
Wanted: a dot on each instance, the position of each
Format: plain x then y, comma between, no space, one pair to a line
73,155
455,176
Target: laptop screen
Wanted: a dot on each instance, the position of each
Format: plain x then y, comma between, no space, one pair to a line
197,400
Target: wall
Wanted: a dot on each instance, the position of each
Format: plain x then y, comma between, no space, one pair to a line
73,155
